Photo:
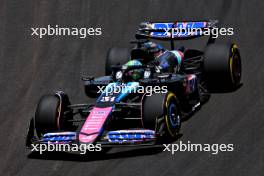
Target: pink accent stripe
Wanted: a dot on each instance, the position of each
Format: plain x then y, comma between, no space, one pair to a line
94,123
182,55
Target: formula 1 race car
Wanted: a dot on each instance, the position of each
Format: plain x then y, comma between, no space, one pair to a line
151,101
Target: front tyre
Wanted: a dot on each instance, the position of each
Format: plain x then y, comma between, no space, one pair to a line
161,112
50,114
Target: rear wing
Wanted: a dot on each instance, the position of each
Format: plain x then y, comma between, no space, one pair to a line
174,30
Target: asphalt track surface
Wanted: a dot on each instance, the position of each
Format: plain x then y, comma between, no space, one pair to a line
31,67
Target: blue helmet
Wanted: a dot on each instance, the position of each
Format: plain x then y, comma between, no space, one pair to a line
153,47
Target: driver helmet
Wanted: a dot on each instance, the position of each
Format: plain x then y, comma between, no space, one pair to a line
135,74
154,49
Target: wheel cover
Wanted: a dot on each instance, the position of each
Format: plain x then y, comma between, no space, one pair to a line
172,115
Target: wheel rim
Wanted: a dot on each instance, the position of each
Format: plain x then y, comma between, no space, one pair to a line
174,116
173,119
235,66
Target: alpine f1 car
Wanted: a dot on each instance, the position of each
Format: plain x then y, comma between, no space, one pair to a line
134,116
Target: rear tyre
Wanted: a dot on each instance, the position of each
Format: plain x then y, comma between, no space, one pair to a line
116,56
222,67
50,117
161,112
